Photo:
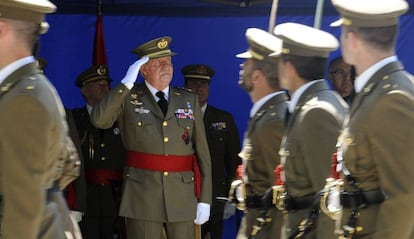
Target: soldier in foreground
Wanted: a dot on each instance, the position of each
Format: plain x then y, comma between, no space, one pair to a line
37,156
316,117
259,78
376,146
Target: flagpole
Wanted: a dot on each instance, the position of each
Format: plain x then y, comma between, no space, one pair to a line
99,7
272,18
99,53
318,14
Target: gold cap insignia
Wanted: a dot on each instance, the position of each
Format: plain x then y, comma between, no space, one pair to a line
202,70
101,71
162,44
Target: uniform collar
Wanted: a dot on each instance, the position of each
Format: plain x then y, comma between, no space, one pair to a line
261,102
154,91
12,67
298,93
362,79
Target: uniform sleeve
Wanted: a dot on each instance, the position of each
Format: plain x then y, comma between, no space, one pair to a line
318,136
392,142
266,154
79,184
26,140
106,112
203,155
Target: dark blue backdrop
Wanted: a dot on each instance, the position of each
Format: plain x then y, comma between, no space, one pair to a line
68,47
215,41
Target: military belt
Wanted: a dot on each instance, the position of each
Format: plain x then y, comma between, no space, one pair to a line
362,198
298,203
254,202
102,176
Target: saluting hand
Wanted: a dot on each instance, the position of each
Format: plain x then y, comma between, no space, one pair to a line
132,73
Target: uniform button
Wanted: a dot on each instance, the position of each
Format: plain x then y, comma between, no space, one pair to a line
165,173
103,158
102,145
164,123
139,124
165,139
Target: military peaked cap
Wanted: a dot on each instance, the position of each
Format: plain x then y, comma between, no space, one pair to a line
197,71
261,45
27,10
156,48
93,73
369,13
302,40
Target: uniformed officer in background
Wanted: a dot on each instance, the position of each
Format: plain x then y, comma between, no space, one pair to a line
37,156
316,117
223,142
377,143
167,179
260,153
104,157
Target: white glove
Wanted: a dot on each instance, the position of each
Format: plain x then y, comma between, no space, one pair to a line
132,73
334,200
203,213
240,195
76,215
229,210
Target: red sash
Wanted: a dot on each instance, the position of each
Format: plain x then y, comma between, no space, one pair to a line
102,176
161,163
71,197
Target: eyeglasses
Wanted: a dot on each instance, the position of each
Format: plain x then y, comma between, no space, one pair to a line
342,73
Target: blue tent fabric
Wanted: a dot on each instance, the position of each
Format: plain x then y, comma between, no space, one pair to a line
214,41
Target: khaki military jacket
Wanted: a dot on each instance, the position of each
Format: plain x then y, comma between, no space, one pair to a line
378,149
152,195
309,142
260,157
265,133
33,140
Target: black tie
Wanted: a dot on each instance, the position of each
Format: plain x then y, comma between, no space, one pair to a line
162,102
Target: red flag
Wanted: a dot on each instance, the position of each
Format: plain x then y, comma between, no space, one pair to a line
99,53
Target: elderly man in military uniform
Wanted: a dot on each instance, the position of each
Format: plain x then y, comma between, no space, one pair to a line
167,179
377,143
223,142
316,117
104,157
259,78
38,159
